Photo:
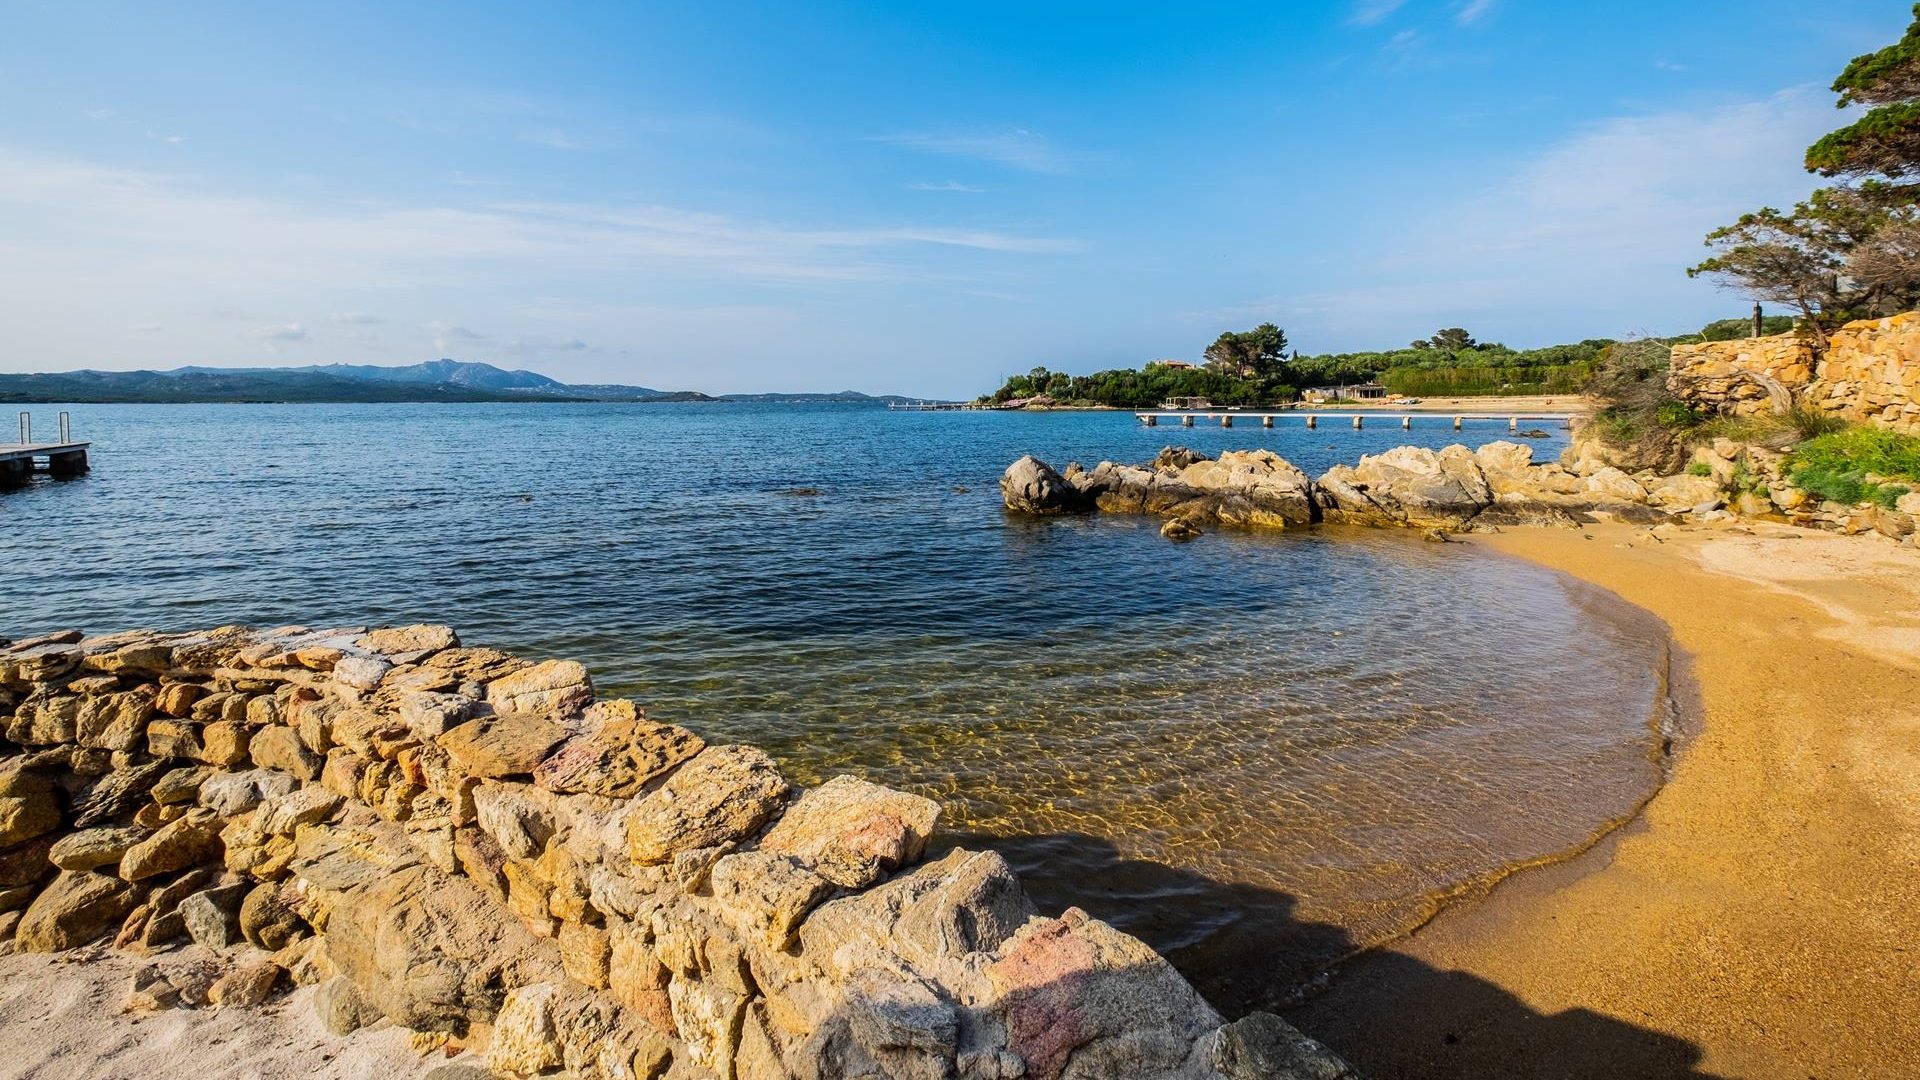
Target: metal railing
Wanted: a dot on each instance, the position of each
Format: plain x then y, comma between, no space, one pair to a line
26,427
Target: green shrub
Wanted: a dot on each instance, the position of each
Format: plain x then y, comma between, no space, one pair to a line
1857,465
1699,468
1677,414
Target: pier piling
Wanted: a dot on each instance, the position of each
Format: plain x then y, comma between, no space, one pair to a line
1456,423
1226,421
1266,421
1406,423
1356,423
1186,421
1312,421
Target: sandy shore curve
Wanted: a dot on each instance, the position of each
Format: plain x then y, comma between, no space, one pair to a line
1761,917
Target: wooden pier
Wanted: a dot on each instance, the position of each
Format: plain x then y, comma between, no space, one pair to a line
1312,418
62,457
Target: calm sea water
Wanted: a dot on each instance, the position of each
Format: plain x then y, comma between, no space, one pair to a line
1259,751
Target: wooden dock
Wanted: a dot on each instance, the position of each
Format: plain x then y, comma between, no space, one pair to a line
1312,418
63,457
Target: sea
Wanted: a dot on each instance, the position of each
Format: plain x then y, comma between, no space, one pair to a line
1260,751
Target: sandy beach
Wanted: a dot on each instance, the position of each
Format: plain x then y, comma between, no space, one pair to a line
1759,919
65,1019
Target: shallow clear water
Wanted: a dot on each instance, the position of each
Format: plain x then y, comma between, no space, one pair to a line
1256,750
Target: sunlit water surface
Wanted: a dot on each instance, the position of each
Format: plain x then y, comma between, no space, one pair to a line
1259,751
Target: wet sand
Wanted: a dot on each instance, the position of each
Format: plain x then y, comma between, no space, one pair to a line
1762,917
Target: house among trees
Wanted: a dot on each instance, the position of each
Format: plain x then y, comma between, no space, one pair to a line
1172,365
1372,391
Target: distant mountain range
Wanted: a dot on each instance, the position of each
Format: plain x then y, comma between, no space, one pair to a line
433,380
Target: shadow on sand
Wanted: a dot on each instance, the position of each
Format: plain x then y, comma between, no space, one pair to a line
1392,1016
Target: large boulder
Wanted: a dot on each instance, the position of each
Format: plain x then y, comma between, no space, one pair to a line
23,817
90,849
617,754
1261,1046
1408,485
79,906
432,952
553,687
852,832
722,796
509,745
179,844
1031,486
1074,988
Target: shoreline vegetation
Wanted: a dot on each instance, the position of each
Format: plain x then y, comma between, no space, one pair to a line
1254,368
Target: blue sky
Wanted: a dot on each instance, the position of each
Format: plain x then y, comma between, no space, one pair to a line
908,198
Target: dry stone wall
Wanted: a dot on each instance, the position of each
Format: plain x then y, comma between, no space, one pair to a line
474,846
1870,372
1718,375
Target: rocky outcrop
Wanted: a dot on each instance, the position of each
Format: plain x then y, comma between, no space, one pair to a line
1868,372
1451,489
473,847
1032,487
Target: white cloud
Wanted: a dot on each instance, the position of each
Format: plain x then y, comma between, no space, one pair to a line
157,137
144,329
97,114
352,318
1373,12
1473,11
1597,228
285,332
944,185
1015,148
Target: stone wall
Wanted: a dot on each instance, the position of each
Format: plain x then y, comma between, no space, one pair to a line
473,846
1717,375
1870,372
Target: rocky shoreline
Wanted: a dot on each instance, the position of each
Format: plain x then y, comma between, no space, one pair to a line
474,847
1453,489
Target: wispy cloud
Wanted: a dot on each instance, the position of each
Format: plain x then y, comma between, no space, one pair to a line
1601,222
555,139
97,114
286,332
157,137
144,329
1373,12
1472,11
352,318
944,185
1015,148
447,337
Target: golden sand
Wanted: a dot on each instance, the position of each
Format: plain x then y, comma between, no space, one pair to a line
1762,917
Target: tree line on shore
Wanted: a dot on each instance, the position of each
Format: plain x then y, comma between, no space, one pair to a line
1254,367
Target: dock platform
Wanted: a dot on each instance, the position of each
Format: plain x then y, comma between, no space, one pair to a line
64,457
1312,417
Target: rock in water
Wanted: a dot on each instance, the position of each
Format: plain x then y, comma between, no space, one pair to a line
1179,530
1030,486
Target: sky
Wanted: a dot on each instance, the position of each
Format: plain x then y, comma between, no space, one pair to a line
896,198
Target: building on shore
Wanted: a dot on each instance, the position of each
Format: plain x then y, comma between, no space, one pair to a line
1356,392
